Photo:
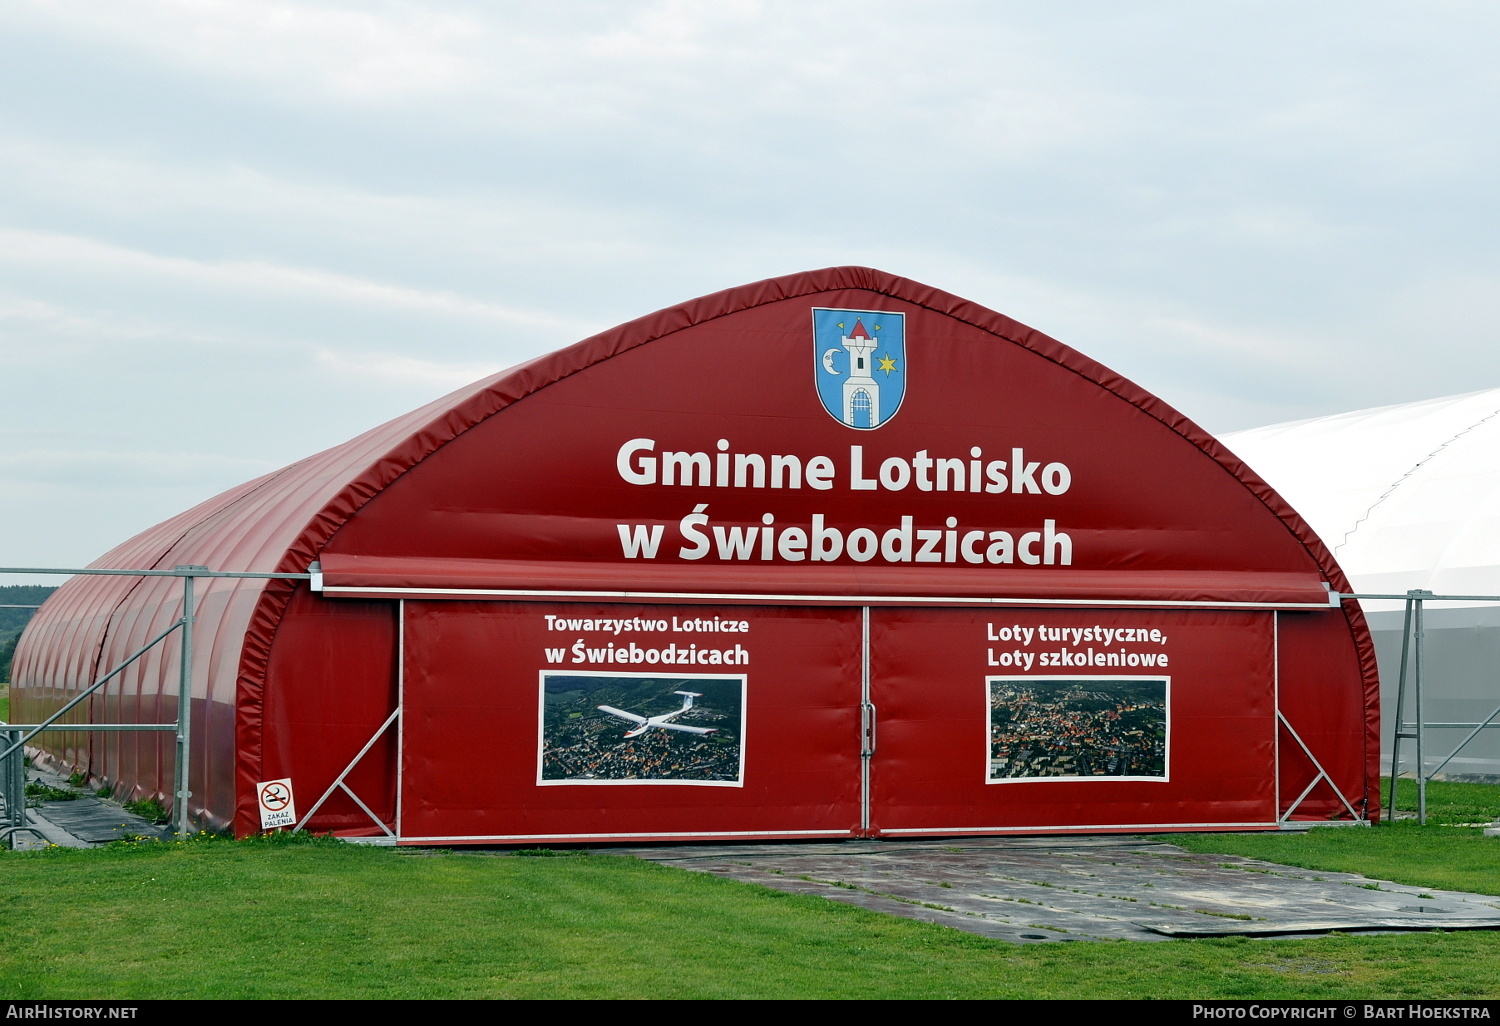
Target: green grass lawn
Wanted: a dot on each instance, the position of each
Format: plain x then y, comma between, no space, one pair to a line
1447,857
221,919
273,918
1456,858
1448,804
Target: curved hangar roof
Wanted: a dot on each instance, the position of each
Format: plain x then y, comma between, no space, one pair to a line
1407,496
518,485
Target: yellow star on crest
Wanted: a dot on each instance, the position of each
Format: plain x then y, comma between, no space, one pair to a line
887,364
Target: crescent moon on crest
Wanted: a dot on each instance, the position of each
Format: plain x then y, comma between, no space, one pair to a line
828,360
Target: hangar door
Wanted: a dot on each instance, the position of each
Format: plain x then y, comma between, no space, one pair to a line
570,722
1013,719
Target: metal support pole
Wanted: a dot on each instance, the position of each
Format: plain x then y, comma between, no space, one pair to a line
867,722
1400,708
184,710
1421,712
13,788
18,784
14,770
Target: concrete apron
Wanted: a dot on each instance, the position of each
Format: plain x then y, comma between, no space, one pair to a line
1058,889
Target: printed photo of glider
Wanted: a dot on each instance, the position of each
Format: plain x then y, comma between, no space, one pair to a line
664,721
640,728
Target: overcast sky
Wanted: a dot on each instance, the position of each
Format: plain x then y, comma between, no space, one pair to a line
233,233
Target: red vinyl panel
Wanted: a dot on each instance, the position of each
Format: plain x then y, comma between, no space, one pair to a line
928,682
1323,701
331,683
471,732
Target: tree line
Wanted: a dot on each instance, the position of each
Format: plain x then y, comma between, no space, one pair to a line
14,621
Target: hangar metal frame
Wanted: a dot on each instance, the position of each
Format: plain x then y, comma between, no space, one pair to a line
16,735
1412,637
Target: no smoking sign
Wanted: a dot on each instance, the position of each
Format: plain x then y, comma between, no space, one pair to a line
277,807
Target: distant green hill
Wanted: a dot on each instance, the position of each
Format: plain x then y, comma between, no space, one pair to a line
13,621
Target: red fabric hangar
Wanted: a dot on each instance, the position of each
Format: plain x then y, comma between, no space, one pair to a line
831,555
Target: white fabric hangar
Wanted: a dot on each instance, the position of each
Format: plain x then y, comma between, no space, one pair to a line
1408,496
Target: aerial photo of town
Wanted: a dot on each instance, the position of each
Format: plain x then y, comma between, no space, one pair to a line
620,727
1077,728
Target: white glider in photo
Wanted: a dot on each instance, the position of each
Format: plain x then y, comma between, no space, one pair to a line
662,722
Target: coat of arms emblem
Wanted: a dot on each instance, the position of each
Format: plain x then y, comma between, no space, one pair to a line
860,365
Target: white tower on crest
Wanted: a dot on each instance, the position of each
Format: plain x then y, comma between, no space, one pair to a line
861,392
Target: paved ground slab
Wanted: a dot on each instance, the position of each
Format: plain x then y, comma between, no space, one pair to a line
96,821
1059,889
85,821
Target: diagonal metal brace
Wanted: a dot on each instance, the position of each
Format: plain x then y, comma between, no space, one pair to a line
1322,775
378,822
1487,721
86,692
339,783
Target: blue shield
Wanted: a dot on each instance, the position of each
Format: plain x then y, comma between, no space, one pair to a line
859,361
